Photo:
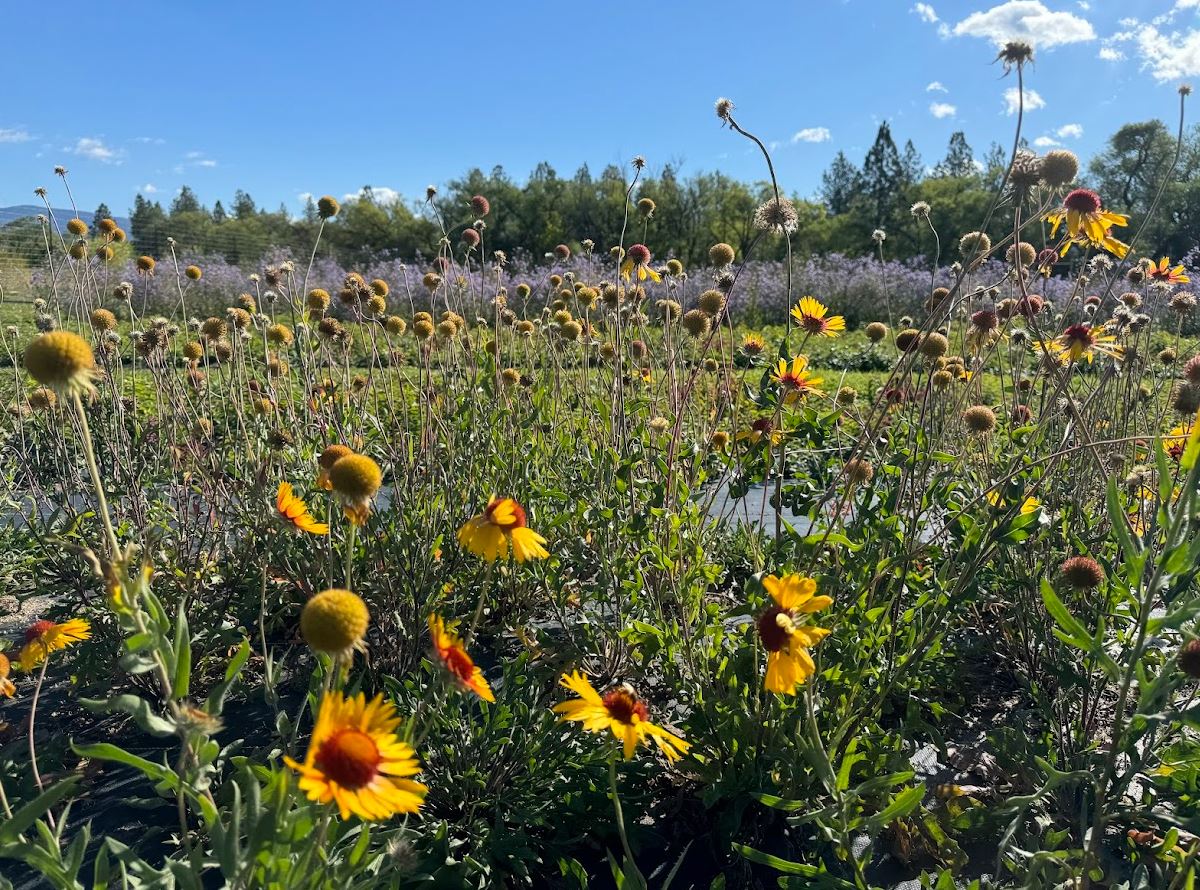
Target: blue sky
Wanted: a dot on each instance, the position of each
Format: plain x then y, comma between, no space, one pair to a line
307,97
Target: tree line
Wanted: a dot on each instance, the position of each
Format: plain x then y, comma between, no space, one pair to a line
689,212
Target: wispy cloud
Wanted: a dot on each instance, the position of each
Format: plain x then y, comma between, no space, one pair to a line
380,193
925,12
1111,54
1012,100
1046,142
14,135
149,188
94,149
1028,20
150,140
812,134
936,86
1069,131
942,109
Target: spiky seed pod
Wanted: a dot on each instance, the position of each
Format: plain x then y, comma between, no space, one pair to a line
712,302
721,254
193,350
77,227
431,281
1186,398
876,331
979,419
1059,168
1024,253
646,207
1082,573
103,320
859,471
934,345
697,323
480,205
327,207
846,396
145,264
908,339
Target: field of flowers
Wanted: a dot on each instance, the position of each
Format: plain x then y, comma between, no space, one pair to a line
604,571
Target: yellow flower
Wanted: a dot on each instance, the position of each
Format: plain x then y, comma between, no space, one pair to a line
325,462
1081,341
795,379
762,428
335,622
1088,223
502,522
1163,271
356,760
7,689
355,479
785,638
813,317
44,637
637,261
619,710
296,512
453,656
62,361
1029,505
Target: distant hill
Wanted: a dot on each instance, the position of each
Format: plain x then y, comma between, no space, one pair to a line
23,211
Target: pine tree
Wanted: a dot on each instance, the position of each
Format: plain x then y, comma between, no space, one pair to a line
185,202
914,169
882,176
840,183
243,205
219,215
102,212
959,161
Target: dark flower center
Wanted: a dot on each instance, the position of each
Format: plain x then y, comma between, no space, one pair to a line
623,705
349,757
1082,201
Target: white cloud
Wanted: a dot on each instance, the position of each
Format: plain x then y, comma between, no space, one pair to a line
812,134
925,12
1111,54
1028,20
1069,131
193,155
1084,5
381,193
14,135
1169,57
942,109
1012,98
1046,142
96,150
206,162
150,140
149,188
305,197
936,87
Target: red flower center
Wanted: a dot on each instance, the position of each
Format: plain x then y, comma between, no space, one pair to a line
1079,334
349,757
623,705
773,636
1082,201
985,320
518,520
37,630
458,662
762,425
639,254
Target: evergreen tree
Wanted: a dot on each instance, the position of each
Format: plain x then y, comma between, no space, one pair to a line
310,210
910,161
243,205
882,177
840,183
959,161
219,215
102,212
185,202
148,225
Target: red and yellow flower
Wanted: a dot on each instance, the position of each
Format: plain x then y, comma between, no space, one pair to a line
502,523
295,511
637,264
453,656
1165,272
1080,341
44,637
785,633
1088,223
794,379
356,760
619,710
814,317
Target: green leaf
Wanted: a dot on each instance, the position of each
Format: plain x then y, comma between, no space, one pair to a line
138,708
12,829
156,772
902,804
182,680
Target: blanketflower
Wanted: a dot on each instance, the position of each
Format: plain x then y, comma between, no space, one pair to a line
784,634
1080,341
44,637
7,688
500,524
813,317
1088,223
619,710
356,760
637,262
295,511
1164,271
795,379
453,656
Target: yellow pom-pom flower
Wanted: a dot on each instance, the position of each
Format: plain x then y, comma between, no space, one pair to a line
62,361
335,622
355,479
